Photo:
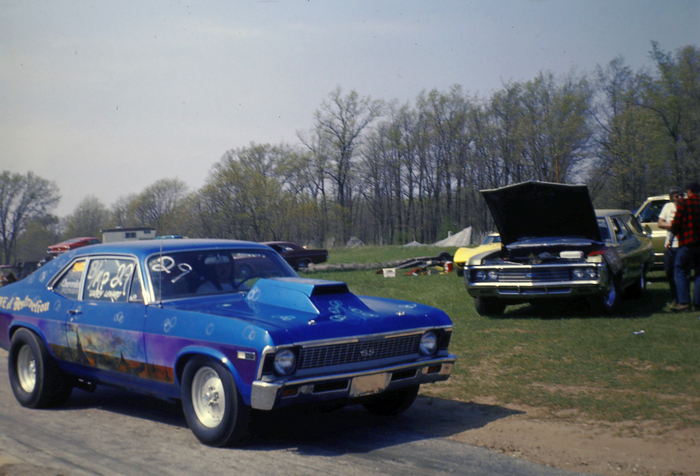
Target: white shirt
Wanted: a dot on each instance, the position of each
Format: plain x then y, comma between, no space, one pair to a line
667,213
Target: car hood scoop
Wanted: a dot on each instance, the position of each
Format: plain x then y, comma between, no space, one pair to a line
297,294
298,309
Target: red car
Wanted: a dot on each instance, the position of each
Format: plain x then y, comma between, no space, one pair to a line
71,244
297,256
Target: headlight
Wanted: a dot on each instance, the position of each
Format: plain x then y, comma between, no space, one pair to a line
480,276
584,273
428,343
285,361
493,275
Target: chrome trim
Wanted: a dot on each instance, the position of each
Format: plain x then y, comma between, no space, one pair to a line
582,264
271,349
527,284
263,394
359,338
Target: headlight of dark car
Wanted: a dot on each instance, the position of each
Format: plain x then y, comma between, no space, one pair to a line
285,362
428,343
584,273
483,275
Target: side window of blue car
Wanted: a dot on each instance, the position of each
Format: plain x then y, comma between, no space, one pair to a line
108,279
68,285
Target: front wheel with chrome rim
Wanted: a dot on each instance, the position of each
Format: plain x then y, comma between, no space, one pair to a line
211,403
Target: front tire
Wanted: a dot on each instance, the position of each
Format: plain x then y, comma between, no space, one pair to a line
35,378
211,403
608,301
393,402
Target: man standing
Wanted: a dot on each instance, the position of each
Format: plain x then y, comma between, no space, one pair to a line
686,226
671,242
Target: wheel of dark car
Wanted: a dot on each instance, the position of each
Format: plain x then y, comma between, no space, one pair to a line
607,302
35,378
303,264
487,306
211,403
638,288
392,402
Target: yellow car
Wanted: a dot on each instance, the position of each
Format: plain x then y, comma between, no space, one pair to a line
492,241
648,216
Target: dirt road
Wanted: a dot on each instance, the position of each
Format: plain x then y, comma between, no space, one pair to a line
114,432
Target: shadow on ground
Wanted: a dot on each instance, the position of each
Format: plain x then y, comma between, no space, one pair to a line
651,302
314,430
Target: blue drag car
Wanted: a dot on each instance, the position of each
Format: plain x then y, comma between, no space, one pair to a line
224,326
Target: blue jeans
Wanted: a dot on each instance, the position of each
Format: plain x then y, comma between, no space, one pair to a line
687,260
670,270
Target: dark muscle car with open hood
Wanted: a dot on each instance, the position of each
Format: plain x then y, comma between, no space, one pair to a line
555,245
223,326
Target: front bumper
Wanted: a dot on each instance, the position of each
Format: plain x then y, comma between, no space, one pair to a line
525,291
268,395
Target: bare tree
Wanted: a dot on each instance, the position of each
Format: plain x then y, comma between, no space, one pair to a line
340,121
22,199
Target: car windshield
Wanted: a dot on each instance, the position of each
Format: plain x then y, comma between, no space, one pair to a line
491,239
205,272
650,213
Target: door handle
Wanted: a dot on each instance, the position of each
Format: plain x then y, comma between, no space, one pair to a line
74,312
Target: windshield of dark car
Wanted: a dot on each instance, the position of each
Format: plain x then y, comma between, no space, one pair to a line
206,272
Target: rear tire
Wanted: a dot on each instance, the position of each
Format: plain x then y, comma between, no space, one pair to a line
393,402
35,377
211,403
638,288
488,306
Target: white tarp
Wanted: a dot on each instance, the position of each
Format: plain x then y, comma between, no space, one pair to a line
463,238
414,243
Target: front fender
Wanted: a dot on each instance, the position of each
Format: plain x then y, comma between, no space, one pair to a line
186,353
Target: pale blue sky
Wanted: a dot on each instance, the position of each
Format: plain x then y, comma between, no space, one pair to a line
105,97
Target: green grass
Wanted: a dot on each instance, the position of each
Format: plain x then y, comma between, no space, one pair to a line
560,357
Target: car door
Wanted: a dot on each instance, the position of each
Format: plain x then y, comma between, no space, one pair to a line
629,249
105,329
66,287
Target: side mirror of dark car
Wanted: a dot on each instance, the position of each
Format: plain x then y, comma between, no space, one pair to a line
647,230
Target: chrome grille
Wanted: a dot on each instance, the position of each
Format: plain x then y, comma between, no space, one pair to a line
352,352
534,275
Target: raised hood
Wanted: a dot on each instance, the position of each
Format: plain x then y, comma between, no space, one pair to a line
542,209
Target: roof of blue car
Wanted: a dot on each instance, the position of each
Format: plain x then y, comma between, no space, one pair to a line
147,247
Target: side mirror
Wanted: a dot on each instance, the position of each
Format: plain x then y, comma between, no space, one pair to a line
647,230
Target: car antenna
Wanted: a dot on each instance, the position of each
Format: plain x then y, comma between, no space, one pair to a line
160,276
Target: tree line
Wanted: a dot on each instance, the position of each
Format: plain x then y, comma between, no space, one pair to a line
390,173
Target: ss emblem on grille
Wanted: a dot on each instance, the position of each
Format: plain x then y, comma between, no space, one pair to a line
367,352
